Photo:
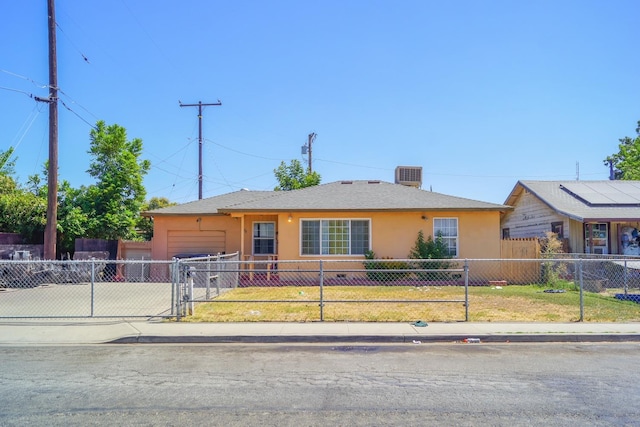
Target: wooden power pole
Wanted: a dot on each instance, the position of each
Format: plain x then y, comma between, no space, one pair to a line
52,182
199,105
312,137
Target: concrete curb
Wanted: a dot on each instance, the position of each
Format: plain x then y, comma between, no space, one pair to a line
389,339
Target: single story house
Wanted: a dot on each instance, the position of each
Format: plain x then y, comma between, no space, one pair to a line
338,220
597,217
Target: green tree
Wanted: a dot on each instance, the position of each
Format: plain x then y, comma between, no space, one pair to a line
294,177
145,224
113,204
7,183
626,162
72,220
24,213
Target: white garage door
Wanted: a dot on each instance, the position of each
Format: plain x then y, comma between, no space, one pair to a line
195,242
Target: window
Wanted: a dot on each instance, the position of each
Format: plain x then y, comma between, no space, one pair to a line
558,228
264,238
447,228
506,233
335,237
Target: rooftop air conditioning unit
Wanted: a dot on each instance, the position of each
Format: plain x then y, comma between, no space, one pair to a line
409,175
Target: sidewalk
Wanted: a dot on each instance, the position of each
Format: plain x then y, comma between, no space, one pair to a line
99,331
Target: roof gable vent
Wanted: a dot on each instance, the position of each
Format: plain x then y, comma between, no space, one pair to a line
409,175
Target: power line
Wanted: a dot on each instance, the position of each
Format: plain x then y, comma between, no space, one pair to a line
241,152
37,84
73,44
76,114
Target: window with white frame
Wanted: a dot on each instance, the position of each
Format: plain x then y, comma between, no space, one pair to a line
334,237
447,229
264,238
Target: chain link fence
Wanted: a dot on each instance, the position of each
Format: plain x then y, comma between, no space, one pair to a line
87,288
224,288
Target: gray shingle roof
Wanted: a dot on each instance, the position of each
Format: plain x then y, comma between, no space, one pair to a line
335,196
211,205
587,200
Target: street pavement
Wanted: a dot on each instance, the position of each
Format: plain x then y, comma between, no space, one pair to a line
126,331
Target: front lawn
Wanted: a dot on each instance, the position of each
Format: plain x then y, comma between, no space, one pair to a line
486,304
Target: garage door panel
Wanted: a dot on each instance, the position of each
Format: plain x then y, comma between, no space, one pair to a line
195,242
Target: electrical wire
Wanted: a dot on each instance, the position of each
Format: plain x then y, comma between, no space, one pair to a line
33,117
37,84
72,43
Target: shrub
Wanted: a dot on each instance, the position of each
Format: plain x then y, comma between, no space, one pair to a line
554,272
430,249
379,269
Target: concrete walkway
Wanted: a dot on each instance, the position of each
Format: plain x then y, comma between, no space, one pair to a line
55,332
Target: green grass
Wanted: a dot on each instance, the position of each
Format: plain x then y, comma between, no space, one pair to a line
525,303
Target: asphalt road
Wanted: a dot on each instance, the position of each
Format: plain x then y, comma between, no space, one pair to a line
309,385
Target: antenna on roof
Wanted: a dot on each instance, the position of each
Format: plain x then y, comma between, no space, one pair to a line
577,171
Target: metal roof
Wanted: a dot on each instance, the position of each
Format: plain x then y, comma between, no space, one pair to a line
586,200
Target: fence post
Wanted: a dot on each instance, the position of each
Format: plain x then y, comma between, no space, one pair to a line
180,275
93,282
466,290
220,267
190,305
174,282
321,292
208,278
626,273
581,290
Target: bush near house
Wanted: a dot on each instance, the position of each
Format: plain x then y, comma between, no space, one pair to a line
434,250
381,270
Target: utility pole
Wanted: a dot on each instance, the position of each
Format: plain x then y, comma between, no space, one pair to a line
312,137
199,105
52,181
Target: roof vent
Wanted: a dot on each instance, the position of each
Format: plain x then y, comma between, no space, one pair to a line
409,175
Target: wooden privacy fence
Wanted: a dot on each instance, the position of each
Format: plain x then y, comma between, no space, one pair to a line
519,248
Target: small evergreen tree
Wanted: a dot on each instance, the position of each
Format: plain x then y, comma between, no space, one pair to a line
430,249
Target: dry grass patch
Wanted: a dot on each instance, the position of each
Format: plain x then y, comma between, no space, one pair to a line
401,304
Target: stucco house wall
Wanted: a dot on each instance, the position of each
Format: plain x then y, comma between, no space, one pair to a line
396,214
393,234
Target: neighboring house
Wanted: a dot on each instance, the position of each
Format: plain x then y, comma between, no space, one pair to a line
339,220
600,217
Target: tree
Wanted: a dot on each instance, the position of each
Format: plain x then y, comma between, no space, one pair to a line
72,220
294,177
6,163
113,204
24,213
145,224
626,162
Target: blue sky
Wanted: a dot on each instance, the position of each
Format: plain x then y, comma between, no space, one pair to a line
478,93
